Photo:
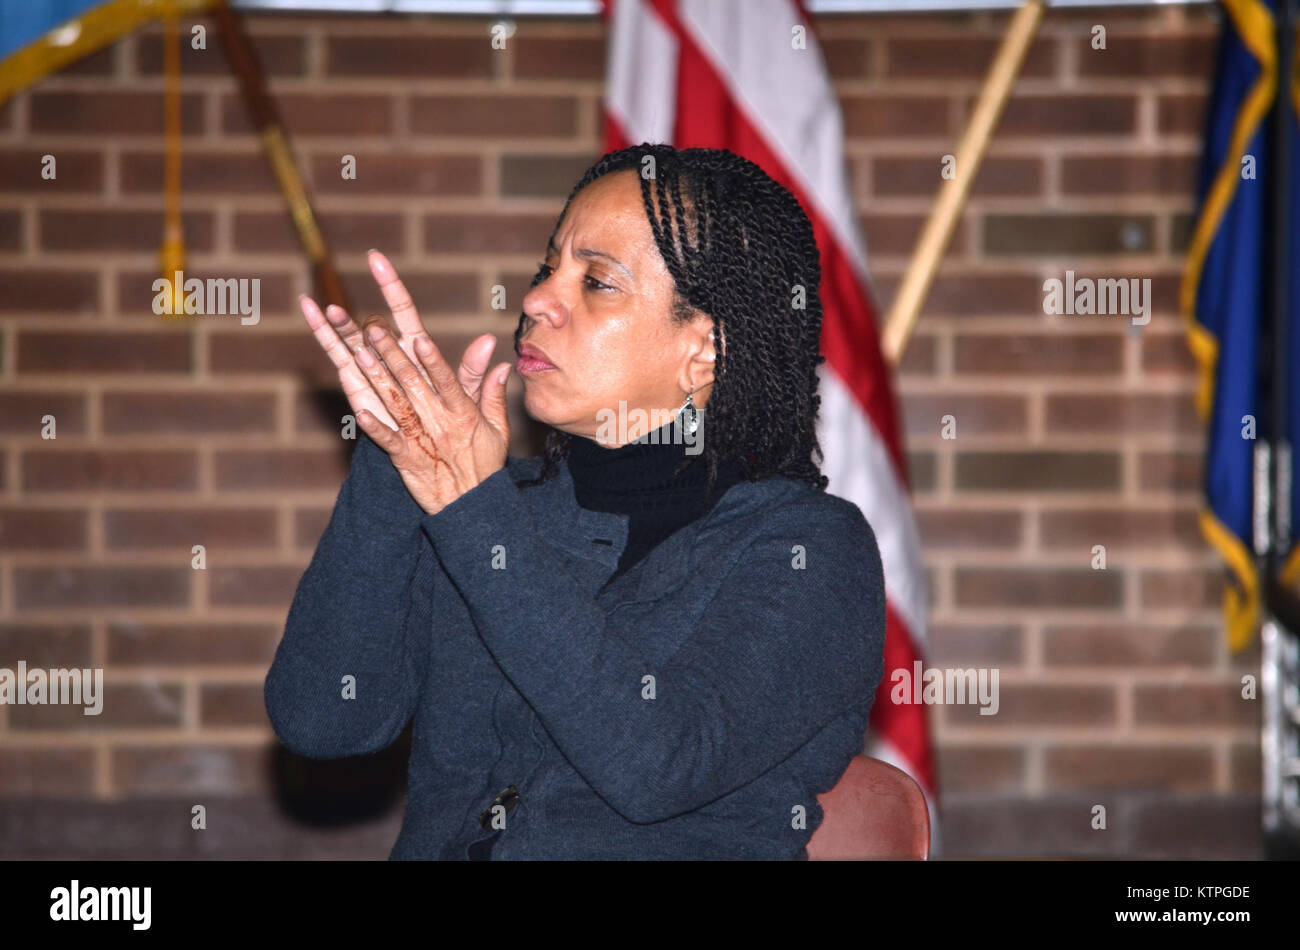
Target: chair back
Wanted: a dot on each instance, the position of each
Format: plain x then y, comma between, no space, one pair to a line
874,811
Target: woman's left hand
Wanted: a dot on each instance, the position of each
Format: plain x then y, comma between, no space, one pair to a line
445,442
452,429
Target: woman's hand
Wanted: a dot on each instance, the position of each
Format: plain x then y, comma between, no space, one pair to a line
340,337
445,431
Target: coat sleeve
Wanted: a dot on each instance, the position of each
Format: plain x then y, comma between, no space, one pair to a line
777,654
360,610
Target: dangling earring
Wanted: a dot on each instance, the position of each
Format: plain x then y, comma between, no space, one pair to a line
691,414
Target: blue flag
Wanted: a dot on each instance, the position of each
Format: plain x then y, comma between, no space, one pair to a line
26,21
1225,298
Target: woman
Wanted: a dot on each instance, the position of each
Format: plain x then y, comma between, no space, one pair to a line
659,641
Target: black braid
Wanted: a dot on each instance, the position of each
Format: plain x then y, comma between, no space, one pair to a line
736,249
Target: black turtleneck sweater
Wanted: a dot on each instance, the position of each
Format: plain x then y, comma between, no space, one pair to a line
638,480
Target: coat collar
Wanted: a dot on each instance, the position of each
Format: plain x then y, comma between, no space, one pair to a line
600,536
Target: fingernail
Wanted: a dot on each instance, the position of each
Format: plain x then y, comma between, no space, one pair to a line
376,332
365,359
423,346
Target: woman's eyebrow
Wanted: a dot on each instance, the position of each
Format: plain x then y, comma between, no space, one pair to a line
588,254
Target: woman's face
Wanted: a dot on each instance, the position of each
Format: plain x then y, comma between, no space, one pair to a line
601,316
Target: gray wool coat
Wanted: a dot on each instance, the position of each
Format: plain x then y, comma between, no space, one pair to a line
693,708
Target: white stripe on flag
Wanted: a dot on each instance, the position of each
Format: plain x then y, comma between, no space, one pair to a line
641,92
861,471
786,93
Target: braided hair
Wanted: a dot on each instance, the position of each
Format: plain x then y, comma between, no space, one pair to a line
741,249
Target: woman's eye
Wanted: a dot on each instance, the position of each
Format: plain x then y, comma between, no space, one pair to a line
545,270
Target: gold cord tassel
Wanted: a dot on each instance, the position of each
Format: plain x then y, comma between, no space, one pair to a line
173,247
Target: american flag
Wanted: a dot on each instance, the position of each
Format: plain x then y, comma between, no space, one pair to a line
749,76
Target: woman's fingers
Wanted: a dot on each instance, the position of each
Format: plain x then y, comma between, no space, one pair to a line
445,381
428,380
344,325
327,335
396,296
474,364
398,382
360,394
355,339
387,438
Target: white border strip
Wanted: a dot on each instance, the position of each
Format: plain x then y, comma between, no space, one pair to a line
591,8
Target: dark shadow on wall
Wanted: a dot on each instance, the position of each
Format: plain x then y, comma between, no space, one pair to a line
327,793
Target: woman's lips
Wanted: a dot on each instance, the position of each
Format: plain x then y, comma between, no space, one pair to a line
532,360
528,364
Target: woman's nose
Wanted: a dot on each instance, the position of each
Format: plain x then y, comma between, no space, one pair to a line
541,303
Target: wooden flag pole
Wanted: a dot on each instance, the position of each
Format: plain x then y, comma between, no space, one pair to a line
243,62
954,191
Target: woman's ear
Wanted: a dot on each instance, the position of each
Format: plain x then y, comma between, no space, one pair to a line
701,350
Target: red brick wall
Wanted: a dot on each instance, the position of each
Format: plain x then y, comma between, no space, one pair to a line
1116,686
